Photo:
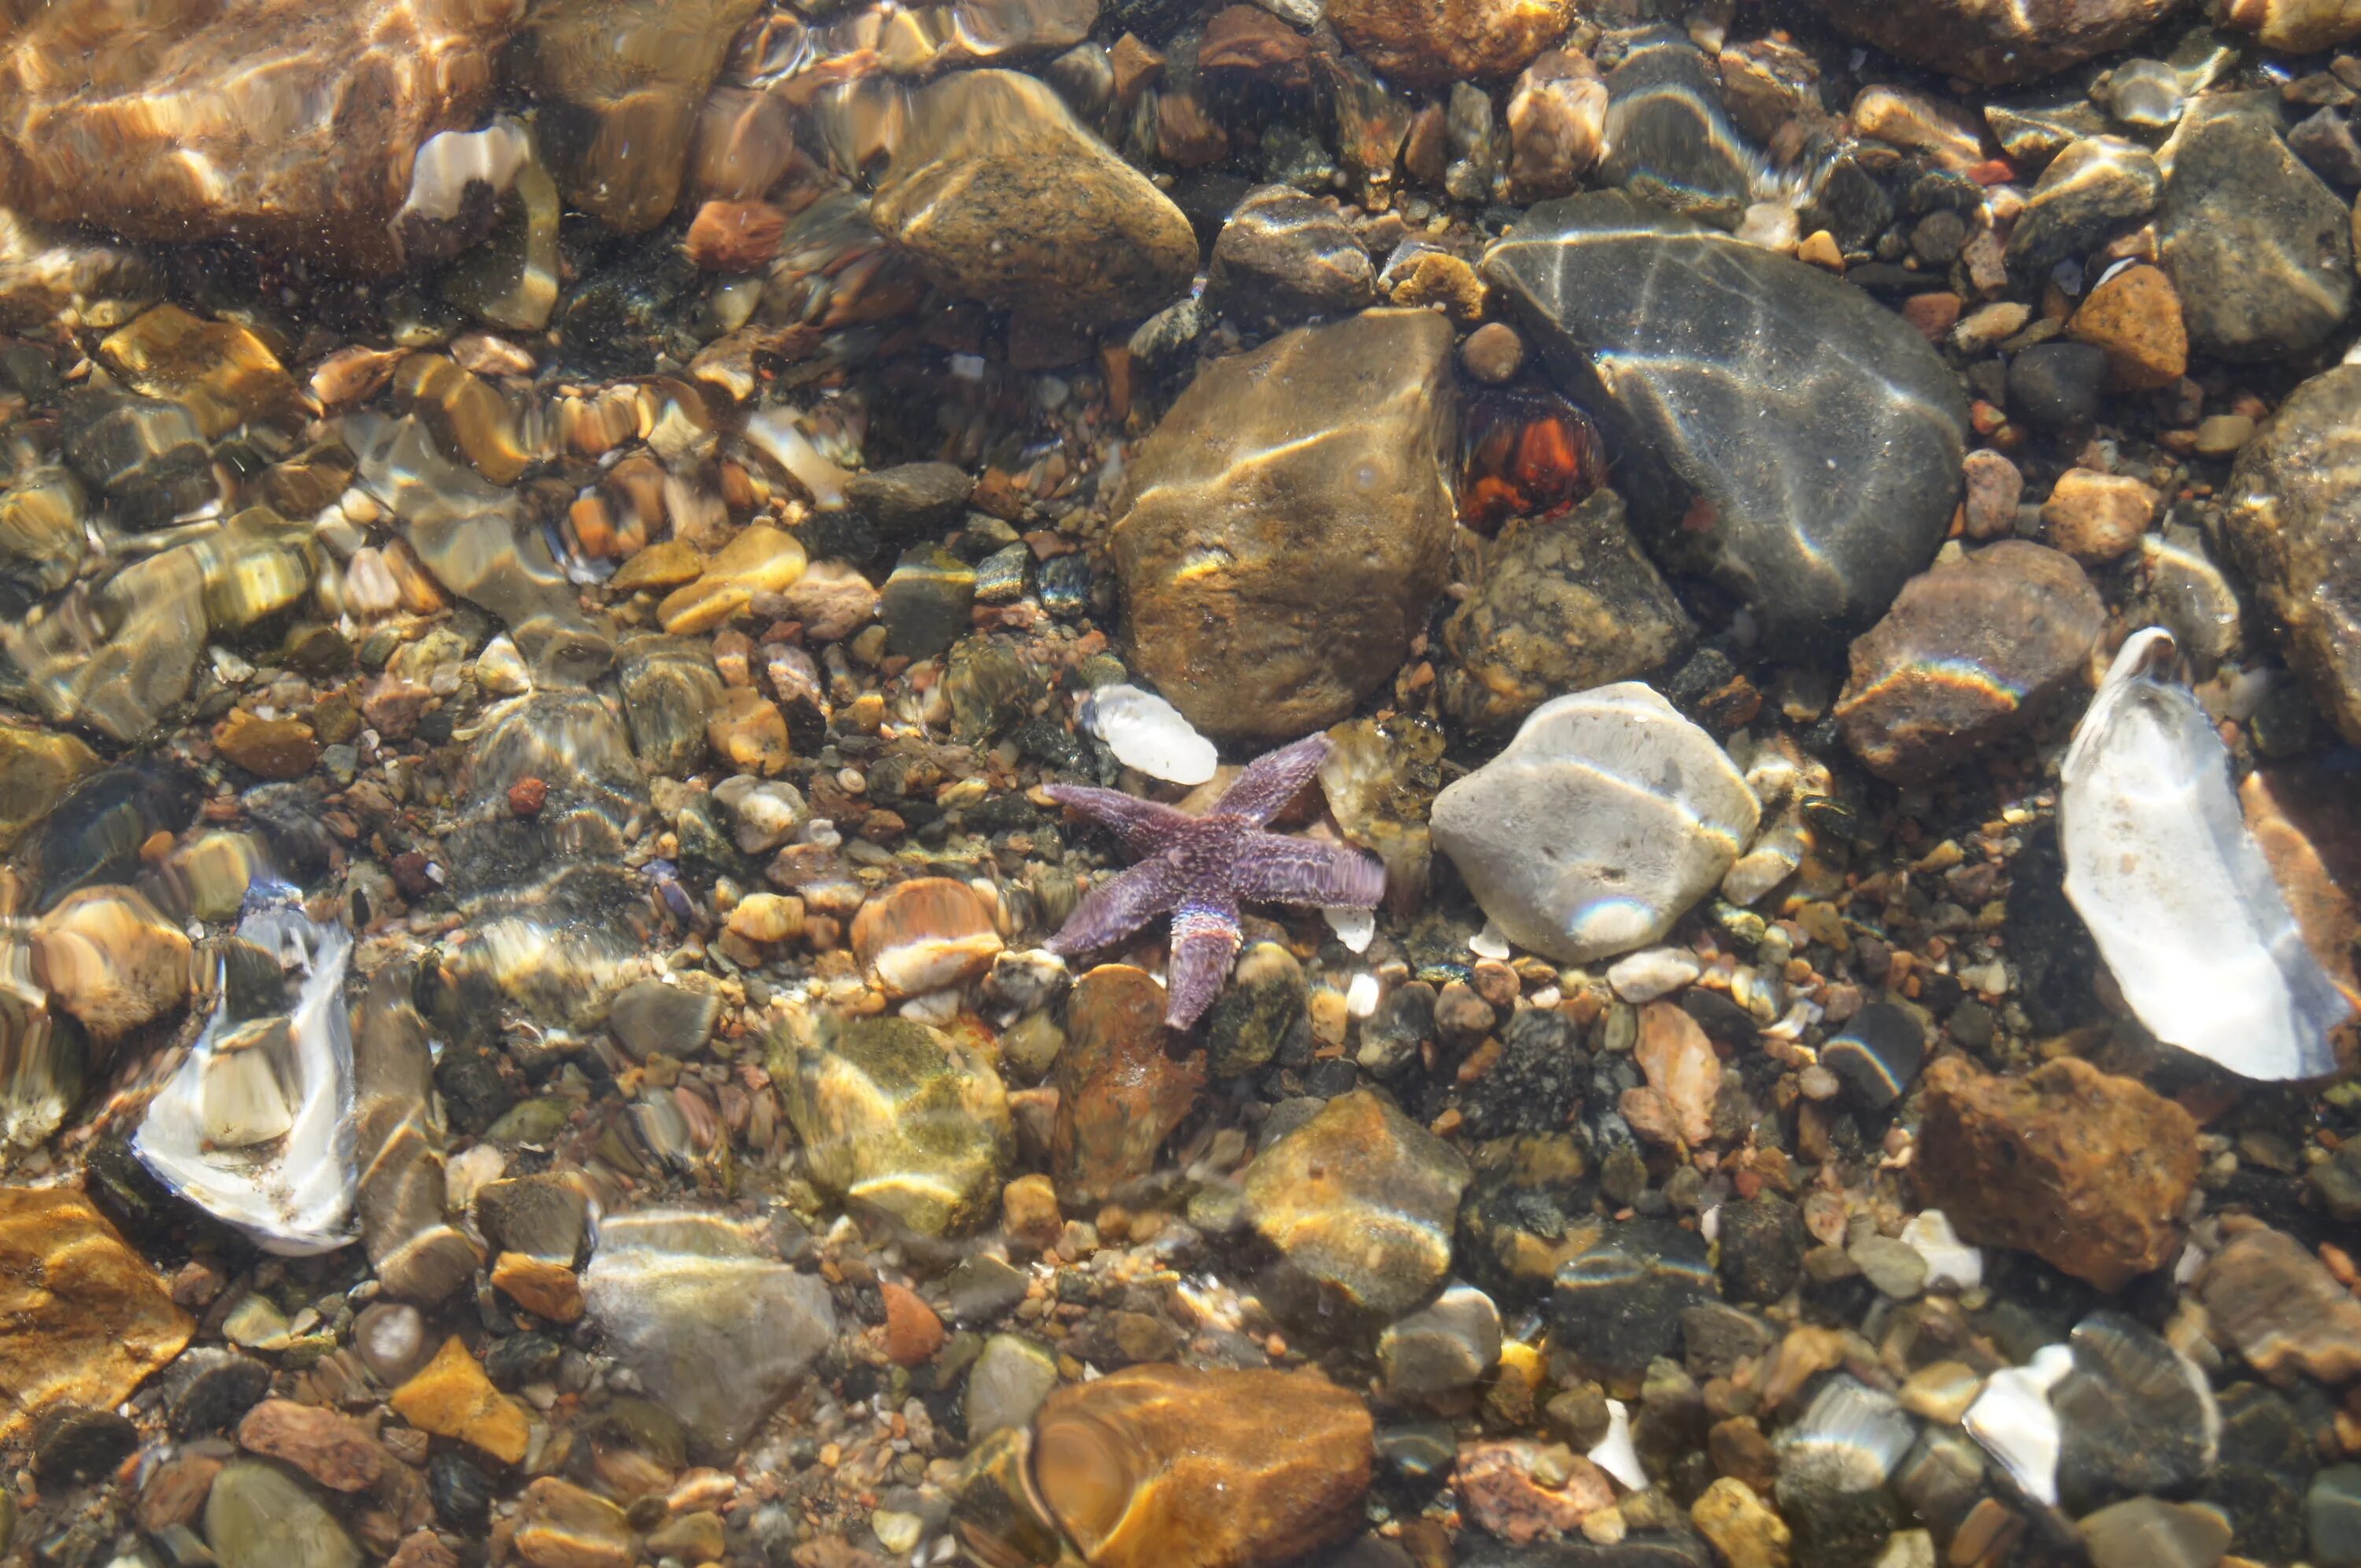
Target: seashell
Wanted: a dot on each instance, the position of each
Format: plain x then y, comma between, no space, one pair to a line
1851,1435
442,216
2162,869
257,1126
1147,733
2013,1419
924,935
1603,821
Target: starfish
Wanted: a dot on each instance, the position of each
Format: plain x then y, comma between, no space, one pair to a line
1199,869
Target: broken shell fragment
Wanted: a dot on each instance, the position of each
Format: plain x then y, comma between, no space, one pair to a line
257,1126
2162,869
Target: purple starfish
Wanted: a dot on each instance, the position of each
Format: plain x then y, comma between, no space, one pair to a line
1199,869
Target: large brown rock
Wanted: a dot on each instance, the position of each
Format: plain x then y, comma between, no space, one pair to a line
1288,524
1160,1465
1970,652
2294,521
2087,1171
1122,1087
1004,197
621,83
290,125
83,1319
1995,41
1428,42
2268,1296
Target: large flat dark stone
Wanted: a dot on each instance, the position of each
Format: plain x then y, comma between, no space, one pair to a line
1770,425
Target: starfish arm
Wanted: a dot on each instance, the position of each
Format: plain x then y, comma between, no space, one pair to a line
1205,940
1273,779
1273,868
1144,826
1118,906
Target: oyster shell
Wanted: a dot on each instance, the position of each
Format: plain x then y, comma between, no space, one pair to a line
257,1126
2163,870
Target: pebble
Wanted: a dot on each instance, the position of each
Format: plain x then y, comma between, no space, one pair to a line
1867,468
1282,258
2135,316
1010,1378
334,1451
1741,1527
1994,486
1364,549
1895,1268
2056,385
1656,972
1996,45
1120,1091
2260,251
561,1525
924,935
1443,1348
2332,1513
1493,353
2090,190
1972,653
1557,129
2097,517
1422,42
258,1515
1359,1201
83,1317
1637,860
450,1396
2275,1303
2086,1170
1761,1242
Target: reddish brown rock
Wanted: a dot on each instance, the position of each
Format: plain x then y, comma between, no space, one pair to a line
1247,44
2096,516
333,1450
174,1492
83,1320
1970,652
290,125
1122,1086
1248,1468
267,748
2089,1172
1428,42
2135,317
1513,1487
1681,1069
734,236
913,1332
545,1288
1995,41
2278,1305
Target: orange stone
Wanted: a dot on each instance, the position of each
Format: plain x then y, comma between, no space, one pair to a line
545,1288
450,1396
734,236
2135,317
913,1332
83,1320
924,935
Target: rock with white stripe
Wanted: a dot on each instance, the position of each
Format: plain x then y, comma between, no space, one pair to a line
1603,822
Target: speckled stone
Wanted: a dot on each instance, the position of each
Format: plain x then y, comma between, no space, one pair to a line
1359,1201
2294,522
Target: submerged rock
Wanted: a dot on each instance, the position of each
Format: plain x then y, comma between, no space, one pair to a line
83,1319
1804,441
1563,603
896,1119
1997,41
1971,652
2294,521
1121,1088
1285,529
145,121
2162,869
714,1325
2260,251
1360,1202
2088,1171
1427,42
1005,198
1604,819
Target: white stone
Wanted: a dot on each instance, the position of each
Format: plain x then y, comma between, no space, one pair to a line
1605,818
501,670
1616,1453
1489,944
2013,1419
450,162
2162,868
764,813
257,1128
1147,733
777,432
1652,973
1361,997
1950,1262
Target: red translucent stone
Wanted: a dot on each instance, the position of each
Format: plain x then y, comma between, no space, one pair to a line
1527,453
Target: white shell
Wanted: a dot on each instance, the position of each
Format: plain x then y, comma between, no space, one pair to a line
1147,733
2013,1419
1603,821
260,1133
1355,927
1616,1453
2162,869
450,162
1952,1263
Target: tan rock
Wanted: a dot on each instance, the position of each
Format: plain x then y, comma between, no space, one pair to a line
83,1319
222,372
1427,42
2096,516
2088,1171
1288,525
2295,26
148,122
768,917
734,236
1005,198
761,560
1250,1468
1997,41
267,748
2270,1298
832,600
1029,1213
335,1451
450,1396
924,935
37,768
111,959
1680,1065
2135,317
1558,125
747,730
1741,1525
559,1525
545,1288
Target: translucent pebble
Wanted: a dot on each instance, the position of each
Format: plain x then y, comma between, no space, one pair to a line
2013,1419
1147,733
